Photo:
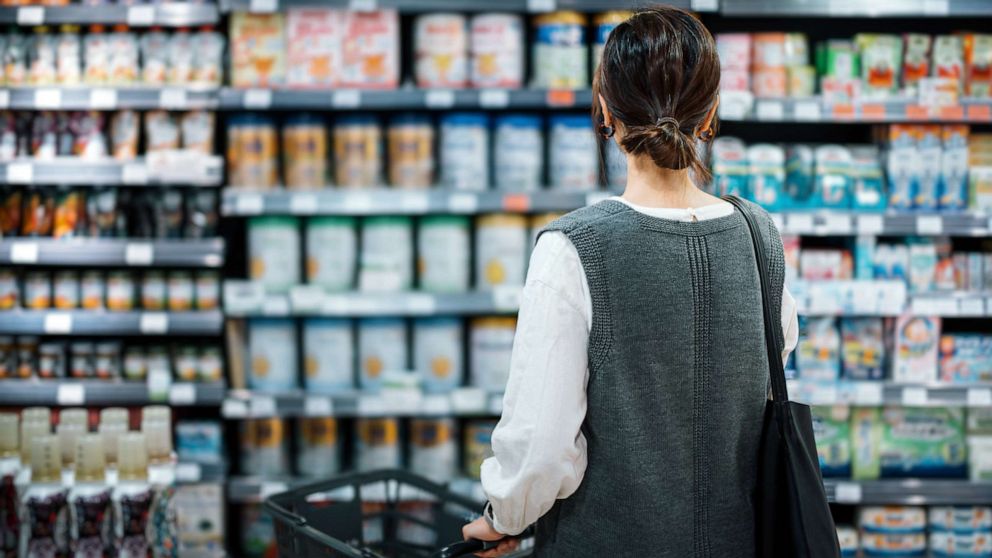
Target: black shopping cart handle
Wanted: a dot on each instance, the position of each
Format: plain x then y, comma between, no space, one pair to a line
464,548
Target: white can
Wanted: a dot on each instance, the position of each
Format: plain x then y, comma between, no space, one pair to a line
274,252
500,250
464,147
434,448
38,290
574,153
207,290
66,290
441,50
93,290
518,152
560,55
437,353
382,347
444,249
10,293
377,444
264,447
332,247
319,447
272,354
497,51
491,344
328,355
387,254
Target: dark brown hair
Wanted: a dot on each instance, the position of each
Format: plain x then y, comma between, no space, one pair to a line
659,76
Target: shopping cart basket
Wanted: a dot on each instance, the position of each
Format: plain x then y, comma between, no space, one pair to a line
383,514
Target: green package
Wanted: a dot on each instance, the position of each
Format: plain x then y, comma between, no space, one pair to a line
832,429
900,442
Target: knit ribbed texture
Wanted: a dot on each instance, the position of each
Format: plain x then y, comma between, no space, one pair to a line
677,386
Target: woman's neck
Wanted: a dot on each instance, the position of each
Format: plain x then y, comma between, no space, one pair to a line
649,185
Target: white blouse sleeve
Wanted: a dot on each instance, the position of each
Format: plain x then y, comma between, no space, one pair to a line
539,450
790,323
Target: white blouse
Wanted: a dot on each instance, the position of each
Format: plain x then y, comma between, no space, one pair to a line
539,449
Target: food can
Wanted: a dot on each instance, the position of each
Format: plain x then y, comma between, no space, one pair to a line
491,345
153,292
8,357
440,43
27,357
51,360
437,353
135,364
181,292
107,361
272,350
120,291
478,445
332,252
210,367
157,360
93,290
574,153
319,448
304,152
264,449
444,253
387,254
66,287
537,224
464,147
207,289
411,151
251,151
274,252
357,151
497,51
82,360
434,449
329,355
518,152
560,57
186,363
500,250
802,81
382,347
38,290
377,444
604,24
10,294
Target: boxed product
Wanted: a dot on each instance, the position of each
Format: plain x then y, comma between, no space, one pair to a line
915,60
914,355
902,166
833,176
980,420
838,59
862,348
818,353
766,164
960,518
734,50
370,49
909,545
881,61
832,430
199,441
901,442
864,256
730,167
314,54
892,262
978,65
965,358
258,50
823,265
867,179
980,457
790,247
922,266
892,520
948,57
799,176
930,163
976,544
954,168
849,543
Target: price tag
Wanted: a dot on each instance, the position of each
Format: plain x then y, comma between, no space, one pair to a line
154,323
864,300
139,253
48,99
257,98
946,306
371,405
234,409
4,98
24,253
356,202
540,6
936,7
468,400
414,203
824,394
141,16
249,204
346,99
979,397
463,203
318,407
516,203
770,110
506,298
103,99
799,223
172,98
929,224
868,394
914,396
183,393
159,383
870,225
337,306
439,98
735,105
134,173
560,98
362,5
705,5
494,98
269,488
30,15
275,306
70,394
420,304
923,307
263,406
436,405
188,472
306,298
971,307
58,323
837,224
807,111
20,173
847,493
303,204
263,6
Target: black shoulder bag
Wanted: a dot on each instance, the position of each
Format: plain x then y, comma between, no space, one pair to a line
793,517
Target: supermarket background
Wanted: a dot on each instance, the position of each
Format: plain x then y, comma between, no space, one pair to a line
303,227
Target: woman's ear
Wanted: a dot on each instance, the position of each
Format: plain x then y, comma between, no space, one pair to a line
607,117
706,127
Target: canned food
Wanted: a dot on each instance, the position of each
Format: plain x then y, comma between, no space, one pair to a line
157,360
38,290
210,367
441,50
319,447
120,291
272,351
186,363
444,249
464,146
27,357
574,153
274,252
560,58
377,445
8,357
304,148
411,151
153,294
382,347
107,364
332,247
387,254
491,346
135,364
497,51
434,449
51,360
500,250
180,288
329,355
518,152
82,360
10,294
93,290
604,24
251,151
478,445
207,290
437,353
357,151
263,447
66,290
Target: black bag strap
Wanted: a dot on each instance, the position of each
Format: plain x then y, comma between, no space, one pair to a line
775,366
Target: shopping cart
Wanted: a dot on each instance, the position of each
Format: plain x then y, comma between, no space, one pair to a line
383,514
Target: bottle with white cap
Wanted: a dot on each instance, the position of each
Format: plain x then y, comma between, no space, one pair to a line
132,497
156,424
69,433
43,502
114,422
30,430
89,500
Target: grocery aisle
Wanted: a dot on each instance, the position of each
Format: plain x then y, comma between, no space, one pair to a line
304,227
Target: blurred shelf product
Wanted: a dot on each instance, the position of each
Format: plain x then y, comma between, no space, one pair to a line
105,392
112,252
87,322
164,14
855,8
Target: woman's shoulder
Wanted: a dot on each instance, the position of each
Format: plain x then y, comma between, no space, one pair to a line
585,216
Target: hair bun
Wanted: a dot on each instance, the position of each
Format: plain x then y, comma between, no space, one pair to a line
666,121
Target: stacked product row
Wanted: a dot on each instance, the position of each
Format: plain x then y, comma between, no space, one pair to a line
28,357
870,66
915,532
465,151
319,48
119,57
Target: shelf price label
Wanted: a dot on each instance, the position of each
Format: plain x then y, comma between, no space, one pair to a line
263,406
139,253
837,224
4,98
561,98
420,304
58,323
537,6
980,397
30,15
234,409
929,224
362,5
48,99
24,253
318,407
154,323
257,99
506,298
20,173
249,204
182,393
872,225
271,488
173,98
770,110
303,204
104,99
468,400
463,203
868,394
799,223
414,203
494,98
70,394
263,6
914,396
439,98
188,472
847,493
971,307
141,16
357,202
134,173
346,99
807,111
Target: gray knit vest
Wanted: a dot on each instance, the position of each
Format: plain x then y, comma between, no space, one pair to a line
678,380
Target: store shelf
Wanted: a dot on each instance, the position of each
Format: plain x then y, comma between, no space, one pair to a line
105,392
195,473
856,8
176,168
534,6
874,393
107,98
913,492
846,223
114,252
254,490
463,402
740,106
166,14
884,298
406,98
88,322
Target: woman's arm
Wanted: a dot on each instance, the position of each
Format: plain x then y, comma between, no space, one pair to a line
790,323
539,450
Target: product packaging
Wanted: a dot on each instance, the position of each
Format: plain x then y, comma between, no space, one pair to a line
954,168
881,62
901,442
377,444
382,348
966,358
914,356
731,174
500,250
370,49
274,252
833,176
328,355
497,50
948,58
43,511
386,261
444,253
903,166
832,430
258,50
441,50
314,55
767,176
863,348
437,353
272,354
560,57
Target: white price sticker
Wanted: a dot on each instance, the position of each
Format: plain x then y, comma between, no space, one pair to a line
257,99
494,98
371,405
154,323
362,5
414,203
979,397
837,224
914,396
971,307
439,98
847,493
807,111
134,173
929,224
463,203
506,298
183,393
139,253
420,304
705,5
188,472
275,305
24,253
103,99
303,204
30,15
249,204
4,98
799,223
346,99
496,405
234,409
172,98
159,383
468,400
70,394
263,406
770,110
306,298
48,99
824,394
263,6
936,7
945,306
868,394
318,407
535,6
870,224
357,202
20,173
141,16
58,323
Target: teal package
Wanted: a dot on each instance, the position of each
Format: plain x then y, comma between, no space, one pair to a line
832,431
954,168
864,257
766,176
833,176
868,182
730,168
902,166
930,153
799,177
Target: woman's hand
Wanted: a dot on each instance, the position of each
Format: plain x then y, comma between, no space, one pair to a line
480,529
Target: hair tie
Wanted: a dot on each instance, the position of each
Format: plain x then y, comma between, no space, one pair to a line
667,120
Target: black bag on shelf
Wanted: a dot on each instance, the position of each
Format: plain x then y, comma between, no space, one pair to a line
793,516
